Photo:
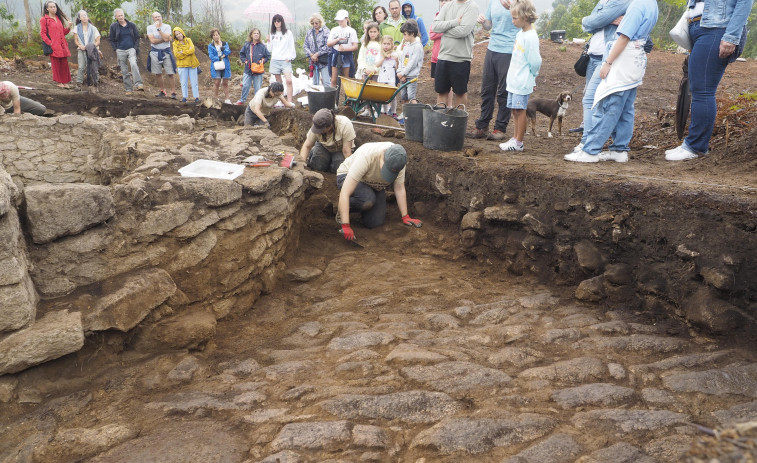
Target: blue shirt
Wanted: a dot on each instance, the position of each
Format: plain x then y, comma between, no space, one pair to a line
503,31
640,18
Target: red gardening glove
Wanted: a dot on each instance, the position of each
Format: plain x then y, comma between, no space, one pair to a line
349,235
411,222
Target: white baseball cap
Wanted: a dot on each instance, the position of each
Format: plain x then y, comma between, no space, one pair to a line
341,14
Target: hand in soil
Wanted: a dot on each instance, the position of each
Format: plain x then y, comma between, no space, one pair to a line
412,222
346,230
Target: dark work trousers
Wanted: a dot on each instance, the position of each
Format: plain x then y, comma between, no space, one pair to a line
494,84
369,202
323,160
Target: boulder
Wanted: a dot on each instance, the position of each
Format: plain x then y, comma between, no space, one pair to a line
19,304
56,210
588,256
591,290
79,443
705,309
186,330
53,336
208,191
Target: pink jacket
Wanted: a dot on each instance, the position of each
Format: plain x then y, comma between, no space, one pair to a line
437,38
57,32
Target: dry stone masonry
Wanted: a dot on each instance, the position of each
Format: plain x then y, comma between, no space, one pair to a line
98,232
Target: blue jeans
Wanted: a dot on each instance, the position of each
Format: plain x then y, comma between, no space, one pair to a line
321,75
706,69
255,81
185,75
369,202
612,116
595,62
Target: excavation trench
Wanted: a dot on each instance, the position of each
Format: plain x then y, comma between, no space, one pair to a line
535,311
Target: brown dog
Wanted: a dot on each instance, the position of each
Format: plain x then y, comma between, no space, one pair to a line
554,109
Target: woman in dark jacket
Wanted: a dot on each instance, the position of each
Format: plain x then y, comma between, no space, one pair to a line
253,51
317,50
53,27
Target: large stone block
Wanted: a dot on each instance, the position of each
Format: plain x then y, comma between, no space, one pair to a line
208,191
56,210
53,336
127,300
705,309
185,330
18,305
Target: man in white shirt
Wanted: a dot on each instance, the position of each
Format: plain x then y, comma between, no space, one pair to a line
161,58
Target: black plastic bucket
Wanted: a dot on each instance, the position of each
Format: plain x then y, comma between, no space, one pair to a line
413,121
444,129
319,100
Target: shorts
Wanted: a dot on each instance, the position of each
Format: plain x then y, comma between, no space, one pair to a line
156,67
515,101
452,75
433,69
347,59
408,93
280,66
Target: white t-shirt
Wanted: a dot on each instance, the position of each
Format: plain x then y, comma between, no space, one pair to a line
152,30
597,41
265,103
8,98
347,36
334,141
365,166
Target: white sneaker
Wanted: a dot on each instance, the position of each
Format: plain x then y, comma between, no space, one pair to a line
617,156
581,156
578,148
679,154
504,146
515,146
227,101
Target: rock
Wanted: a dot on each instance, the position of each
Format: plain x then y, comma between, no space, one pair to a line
18,305
588,256
297,392
683,361
410,353
442,321
304,274
685,253
591,290
196,402
616,370
208,191
740,413
628,421
370,437
454,377
264,416
7,387
559,334
633,343
654,396
185,330
503,213
723,279
705,309
536,225
613,327
193,252
285,456
322,435
408,407
127,301
184,370
76,444
621,452
517,356
618,274
54,335
258,181
310,329
593,394
56,210
734,379
577,370
559,448
164,218
474,436
669,448
472,220
357,340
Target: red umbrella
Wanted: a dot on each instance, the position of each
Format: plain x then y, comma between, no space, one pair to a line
263,11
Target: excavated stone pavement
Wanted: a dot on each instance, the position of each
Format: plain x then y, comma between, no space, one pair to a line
394,353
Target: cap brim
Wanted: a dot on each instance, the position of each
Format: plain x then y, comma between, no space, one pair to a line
317,131
388,175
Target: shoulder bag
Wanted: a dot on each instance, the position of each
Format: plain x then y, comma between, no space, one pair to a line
47,49
680,33
323,59
220,65
582,64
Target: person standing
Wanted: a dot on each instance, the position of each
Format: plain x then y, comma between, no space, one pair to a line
281,46
161,58
716,28
408,12
186,63
496,64
379,15
219,52
253,51
621,72
53,27
362,180
85,34
124,38
343,41
317,50
391,25
455,21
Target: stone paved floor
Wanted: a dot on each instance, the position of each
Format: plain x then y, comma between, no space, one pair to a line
399,356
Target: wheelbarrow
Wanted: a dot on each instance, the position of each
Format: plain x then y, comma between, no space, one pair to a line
369,94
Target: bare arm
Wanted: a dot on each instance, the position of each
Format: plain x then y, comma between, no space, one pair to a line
17,106
401,195
348,187
615,51
347,148
305,150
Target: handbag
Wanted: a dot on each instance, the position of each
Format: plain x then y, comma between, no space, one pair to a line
257,68
680,33
47,49
219,65
582,64
323,59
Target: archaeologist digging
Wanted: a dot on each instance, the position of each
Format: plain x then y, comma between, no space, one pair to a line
11,101
329,141
362,180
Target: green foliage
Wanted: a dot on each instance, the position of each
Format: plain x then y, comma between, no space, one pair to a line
100,12
7,18
359,10
15,44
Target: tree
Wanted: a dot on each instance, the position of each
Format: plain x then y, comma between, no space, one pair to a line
29,28
100,12
359,10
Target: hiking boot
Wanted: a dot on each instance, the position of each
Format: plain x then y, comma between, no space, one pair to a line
477,133
496,135
140,88
617,156
577,130
129,93
581,156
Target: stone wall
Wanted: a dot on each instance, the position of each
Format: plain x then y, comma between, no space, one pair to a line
150,252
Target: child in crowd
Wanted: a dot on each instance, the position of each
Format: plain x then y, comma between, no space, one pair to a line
388,70
524,67
370,52
343,40
411,60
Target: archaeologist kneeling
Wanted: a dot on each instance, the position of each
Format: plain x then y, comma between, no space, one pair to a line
260,106
362,180
329,141
11,99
